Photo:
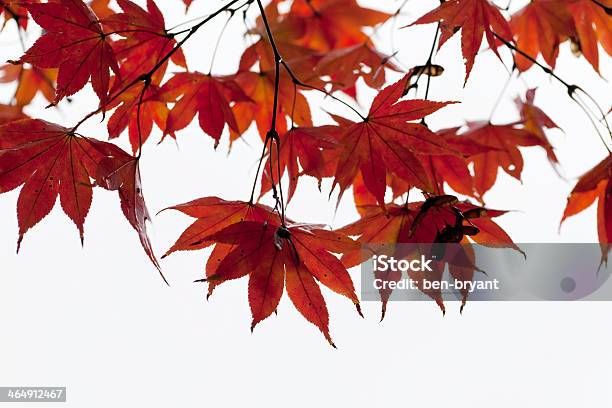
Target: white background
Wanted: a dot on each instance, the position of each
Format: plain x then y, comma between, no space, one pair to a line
100,321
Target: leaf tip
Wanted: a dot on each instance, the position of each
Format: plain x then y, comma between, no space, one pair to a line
19,242
383,312
358,307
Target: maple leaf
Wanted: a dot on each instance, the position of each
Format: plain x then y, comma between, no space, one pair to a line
211,97
474,18
593,24
503,141
346,65
30,81
145,42
436,220
153,109
274,256
250,240
539,28
298,147
536,121
75,43
385,143
596,184
49,161
333,24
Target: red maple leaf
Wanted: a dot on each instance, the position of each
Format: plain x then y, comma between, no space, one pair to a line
596,184
49,161
208,96
474,18
384,143
271,255
539,28
536,121
144,44
593,24
75,43
250,240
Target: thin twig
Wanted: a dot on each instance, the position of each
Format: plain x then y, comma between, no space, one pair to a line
138,116
427,67
214,55
572,90
272,134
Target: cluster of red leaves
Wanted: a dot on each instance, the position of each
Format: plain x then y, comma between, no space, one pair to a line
324,46
250,240
539,28
474,18
438,219
73,42
49,160
542,25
